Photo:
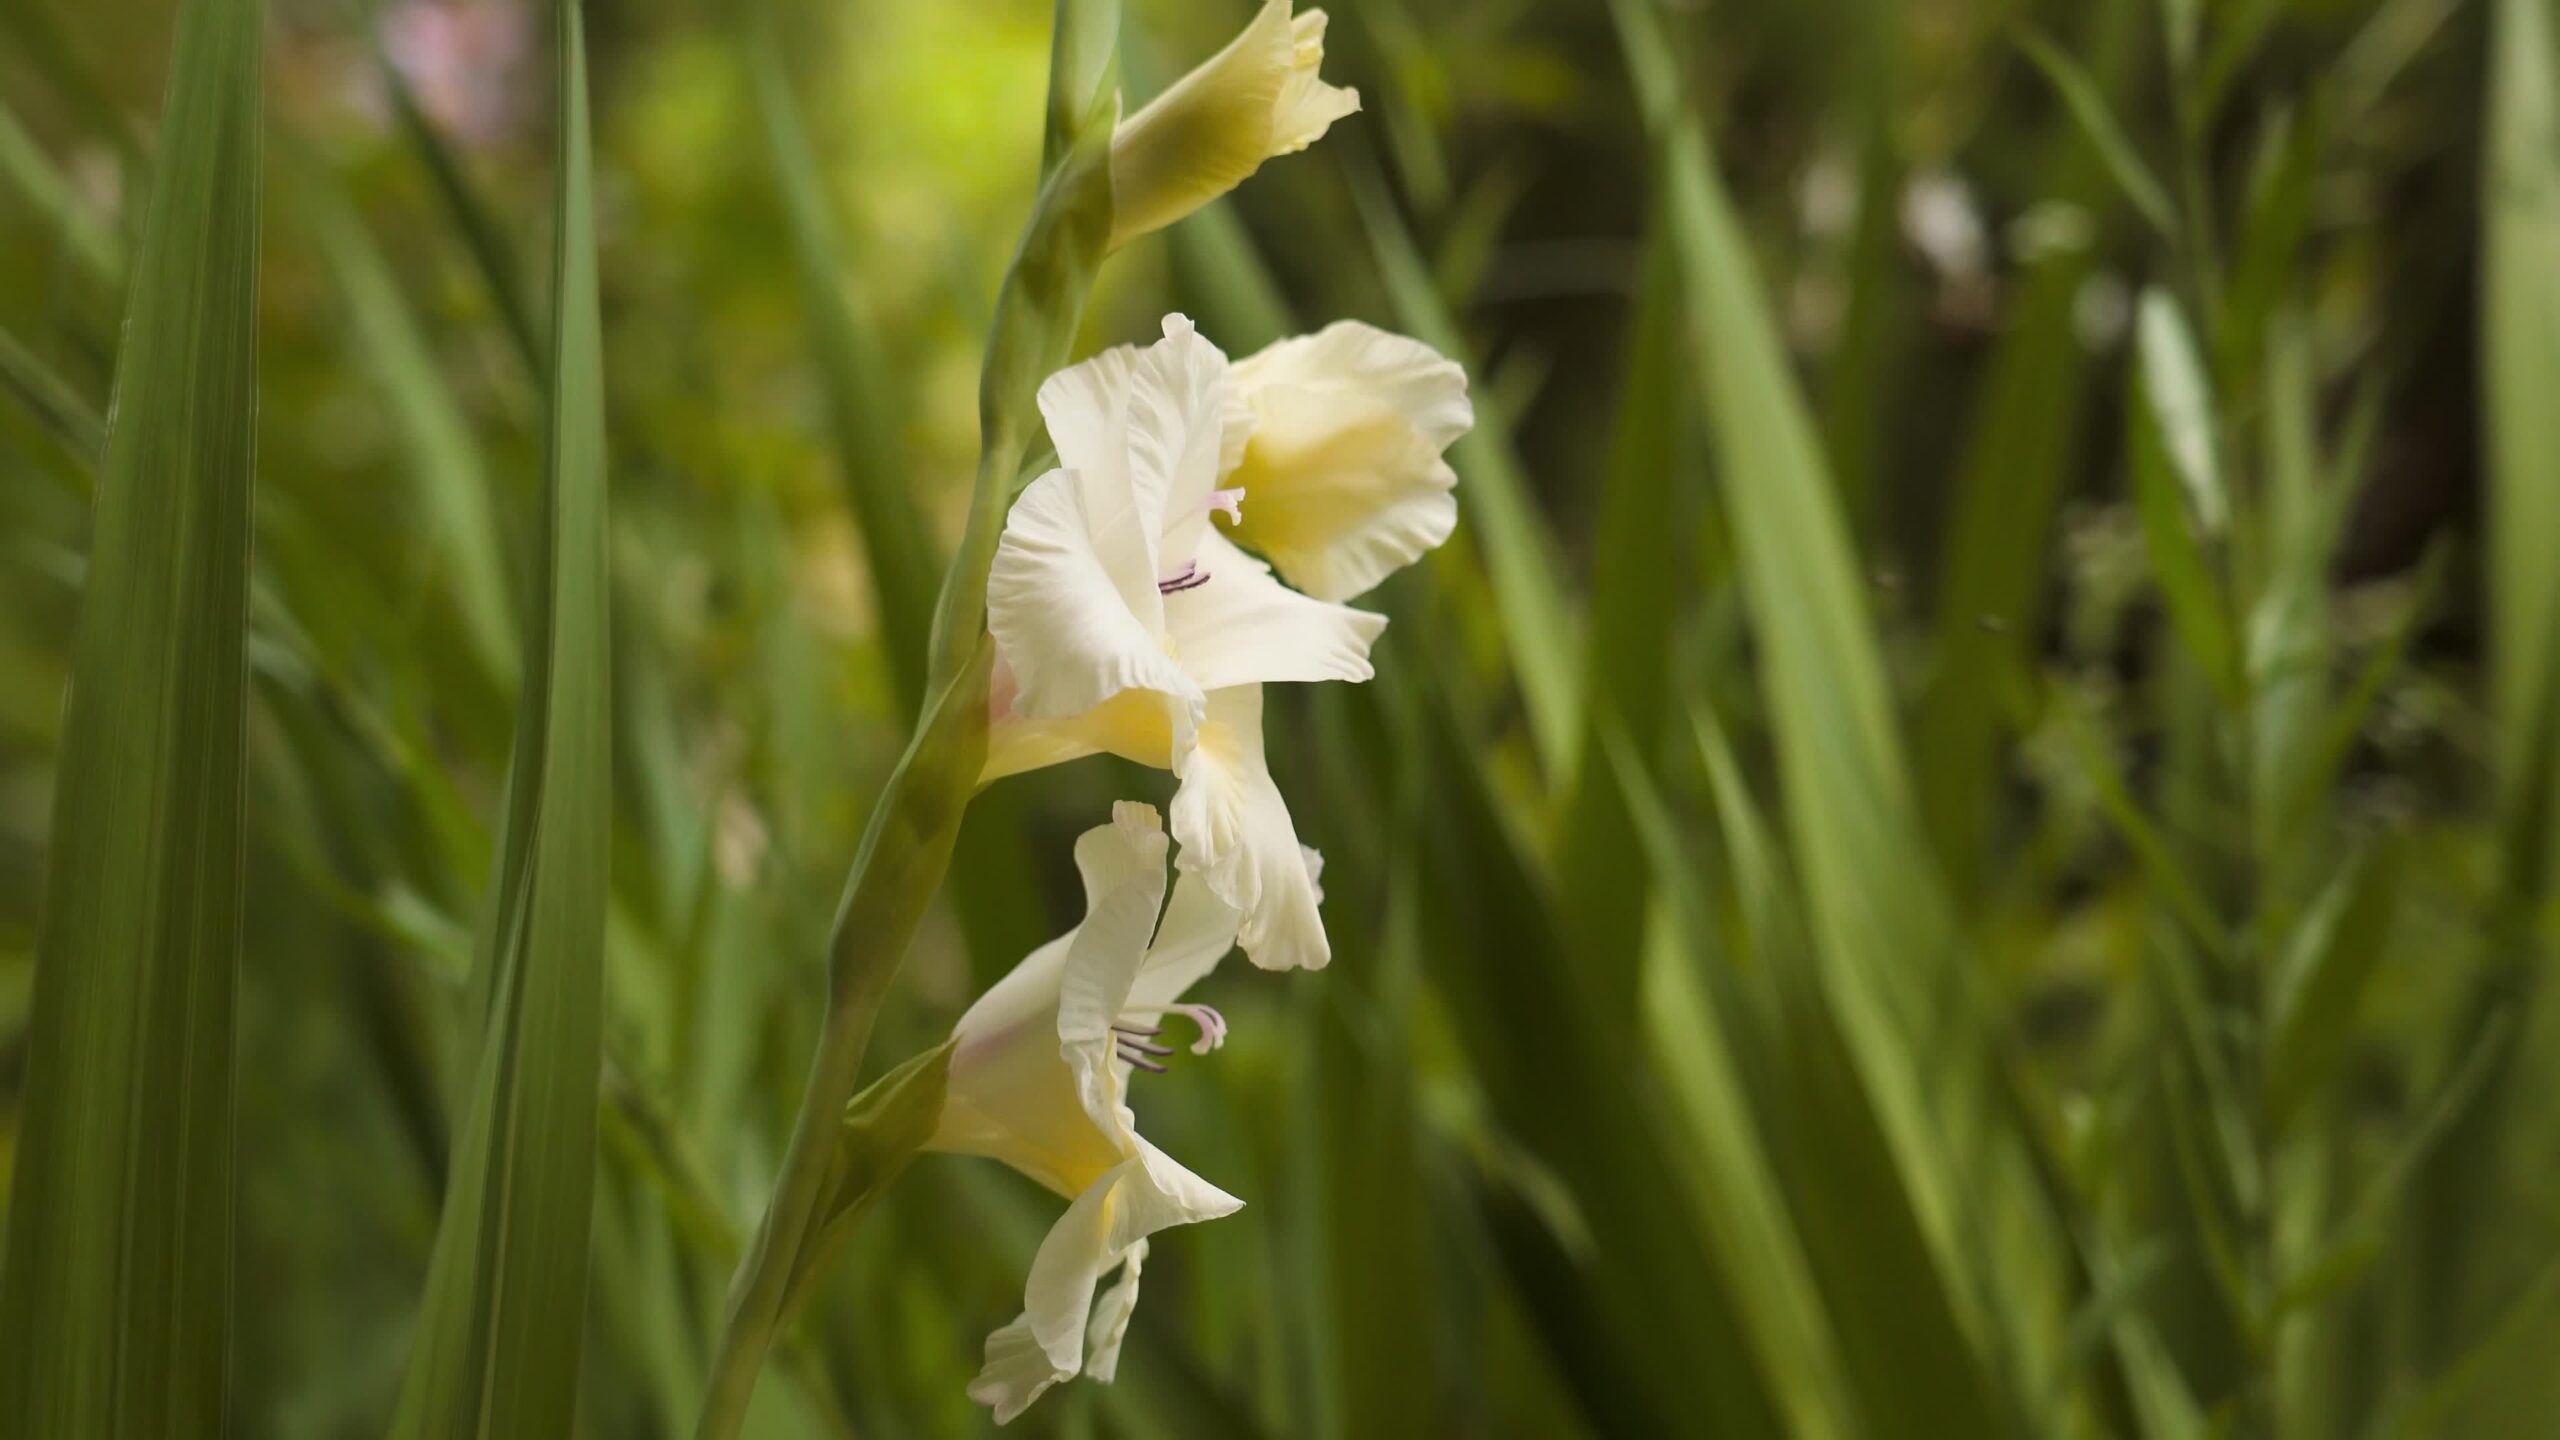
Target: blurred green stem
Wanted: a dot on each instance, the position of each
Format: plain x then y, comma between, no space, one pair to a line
907,847
903,856
2196,232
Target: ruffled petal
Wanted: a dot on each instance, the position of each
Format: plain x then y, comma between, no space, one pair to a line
1242,627
1086,408
1181,399
1237,836
1342,474
1128,852
1062,619
1352,358
1307,106
1017,1371
1146,430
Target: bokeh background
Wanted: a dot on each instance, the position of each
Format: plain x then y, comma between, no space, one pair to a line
2025,919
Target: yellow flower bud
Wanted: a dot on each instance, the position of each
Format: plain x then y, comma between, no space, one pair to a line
1257,98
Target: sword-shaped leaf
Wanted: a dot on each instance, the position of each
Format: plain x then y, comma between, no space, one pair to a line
115,1292
497,1345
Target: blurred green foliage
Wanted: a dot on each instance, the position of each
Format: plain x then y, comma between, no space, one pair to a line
1960,844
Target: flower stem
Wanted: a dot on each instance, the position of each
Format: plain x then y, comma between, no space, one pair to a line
904,854
755,1302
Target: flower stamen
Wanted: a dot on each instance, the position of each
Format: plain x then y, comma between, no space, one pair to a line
1213,1026
1189,577
1137,1045
1141,1062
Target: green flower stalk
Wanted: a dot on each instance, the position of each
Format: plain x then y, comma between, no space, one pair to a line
907,847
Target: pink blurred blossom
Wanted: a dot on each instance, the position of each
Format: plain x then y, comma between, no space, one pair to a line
464,59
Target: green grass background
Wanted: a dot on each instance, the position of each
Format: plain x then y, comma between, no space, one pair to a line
1961,844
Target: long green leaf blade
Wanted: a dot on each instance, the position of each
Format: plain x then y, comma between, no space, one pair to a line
1848,792
2088,107
497,1346
905,561
2520,320
1635,588
2010,482
44,189
1499,508
1891,970
1724,1166
453,490
116,1289
2520,332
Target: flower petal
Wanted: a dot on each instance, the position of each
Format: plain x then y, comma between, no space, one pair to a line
1045,1344
1086,407
1146,429
1111,1318
1236,834
1015,745
1123,868
1107,1224
1017,1371
1182,404
1127,852
1354,359
1259,97
1011,1095
1032,1083
1242,627
1162,1194
1196,933
1062,617
1342,474
1136,725
1308,106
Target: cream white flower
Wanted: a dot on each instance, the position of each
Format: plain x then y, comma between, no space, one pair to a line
1125,623
1039,1081
1258,98
1342,475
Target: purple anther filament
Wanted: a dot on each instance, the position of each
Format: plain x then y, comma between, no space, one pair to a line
1189,577
1137,1046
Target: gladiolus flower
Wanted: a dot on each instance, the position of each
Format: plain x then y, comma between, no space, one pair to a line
1125,623
1039,1080
1258,98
